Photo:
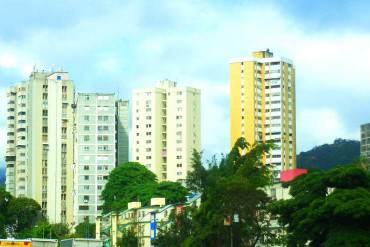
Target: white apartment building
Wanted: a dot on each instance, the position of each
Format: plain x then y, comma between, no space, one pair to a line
95,152
166,129
39,150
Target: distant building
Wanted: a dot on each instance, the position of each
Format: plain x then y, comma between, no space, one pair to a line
166,129
262,106
39,150
99,120
365,140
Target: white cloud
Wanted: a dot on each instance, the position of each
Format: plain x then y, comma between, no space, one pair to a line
321,125
194,49
7,60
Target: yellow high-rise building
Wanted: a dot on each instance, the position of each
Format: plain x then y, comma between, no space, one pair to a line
262,106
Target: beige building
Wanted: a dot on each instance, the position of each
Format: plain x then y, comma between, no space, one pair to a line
39,152
262,106
166,129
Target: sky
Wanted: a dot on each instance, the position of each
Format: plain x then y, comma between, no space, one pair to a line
116,46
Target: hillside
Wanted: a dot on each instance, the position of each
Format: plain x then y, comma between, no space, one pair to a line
328,155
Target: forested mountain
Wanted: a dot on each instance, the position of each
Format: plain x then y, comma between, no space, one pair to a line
328,155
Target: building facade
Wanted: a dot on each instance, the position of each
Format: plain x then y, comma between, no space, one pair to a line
95,152
262,106
39,149
365,141
122,133
166,129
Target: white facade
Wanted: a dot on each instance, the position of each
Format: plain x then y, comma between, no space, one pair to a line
40,142
95,152
166,129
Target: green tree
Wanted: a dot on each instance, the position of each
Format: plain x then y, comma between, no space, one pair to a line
85,230
128,239
46,230
23,213
124,183
173,192
232,188
5,199
179,231
133,182
197,177
328,208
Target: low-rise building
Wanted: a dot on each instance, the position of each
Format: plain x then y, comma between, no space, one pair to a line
146,222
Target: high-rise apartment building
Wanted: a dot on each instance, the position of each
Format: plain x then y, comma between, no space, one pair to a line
39,150
365,140
166,129
98,122
262,106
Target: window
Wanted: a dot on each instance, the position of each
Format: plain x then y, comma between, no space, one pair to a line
81,207
86,177
86,118
86,168
103,127
179,157
100,187
148,117
59,77
102,138
86,198
103,118
86,187
148,141
179,165
148,149
148,133
86,128
86,138
45,113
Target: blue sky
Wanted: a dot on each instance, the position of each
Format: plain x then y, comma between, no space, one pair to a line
120,45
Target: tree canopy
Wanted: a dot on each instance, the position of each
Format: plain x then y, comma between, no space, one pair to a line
232,194
17,215
134,182
328,208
